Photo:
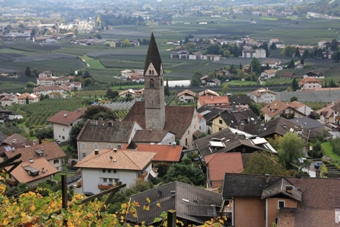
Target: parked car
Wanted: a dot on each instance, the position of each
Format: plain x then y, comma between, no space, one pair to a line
317,165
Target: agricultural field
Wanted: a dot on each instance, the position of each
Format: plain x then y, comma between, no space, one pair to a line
36,114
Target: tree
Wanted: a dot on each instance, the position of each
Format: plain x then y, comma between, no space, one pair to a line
86,75
96,112
225,88
295,85
265,46
264,163
288,51
111,94
294,98
213,49
255,66
334,45
291,64
87,82
336,56
184,173
74,133
290,149
273,46
297,53
305,54
167,89
30,84
28,71
126,43
196,79
302,61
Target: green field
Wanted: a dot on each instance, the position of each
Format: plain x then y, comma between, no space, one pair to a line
327,148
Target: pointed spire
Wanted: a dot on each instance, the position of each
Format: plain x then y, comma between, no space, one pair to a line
153,56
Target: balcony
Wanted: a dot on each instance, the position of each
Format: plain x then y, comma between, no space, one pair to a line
104,186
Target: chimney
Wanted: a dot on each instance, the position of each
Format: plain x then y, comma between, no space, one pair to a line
267,177
65,114
115,149
173,144
43,170
31,160
96,151
34,142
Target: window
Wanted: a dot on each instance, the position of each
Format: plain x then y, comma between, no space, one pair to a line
119,146
151,83
84,154
110,180
219,129
188,132
109,146
104,180
63,137
104,170
56,161
95,146
114,171
83,146
109,171
220,121
281,204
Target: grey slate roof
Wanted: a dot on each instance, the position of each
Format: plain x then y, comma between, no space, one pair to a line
240,99
280,187
192,203
147,136
307,122
153,56
106,131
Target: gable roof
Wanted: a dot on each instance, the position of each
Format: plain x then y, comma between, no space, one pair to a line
227,141
120,159
15,138
153,56
208,92
240,99
221,163
177,118
308,80
164,153
213,100
106,131
49,151
149,136
65,117
186,92
278,126
190,202
307,122
280,187
21,172
262,91
233,119
274,108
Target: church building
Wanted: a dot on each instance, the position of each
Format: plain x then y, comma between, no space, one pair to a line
153,115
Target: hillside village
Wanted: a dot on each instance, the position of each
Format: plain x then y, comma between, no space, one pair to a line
222,136
198,154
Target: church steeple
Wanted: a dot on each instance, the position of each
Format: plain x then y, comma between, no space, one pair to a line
154,88
153,57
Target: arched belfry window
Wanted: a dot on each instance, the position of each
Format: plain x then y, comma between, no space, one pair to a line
151,72
152,83
161,83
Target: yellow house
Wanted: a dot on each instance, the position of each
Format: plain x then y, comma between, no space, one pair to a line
218,124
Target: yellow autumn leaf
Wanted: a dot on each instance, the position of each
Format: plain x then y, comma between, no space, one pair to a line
148,200
158,204
32,208
26,219
5,221
123,206
221,221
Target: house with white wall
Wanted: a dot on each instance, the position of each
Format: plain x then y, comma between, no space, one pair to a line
103,168
262,95
63,122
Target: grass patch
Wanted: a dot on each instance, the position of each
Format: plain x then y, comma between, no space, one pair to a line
328,151
269,18
241,83
57,176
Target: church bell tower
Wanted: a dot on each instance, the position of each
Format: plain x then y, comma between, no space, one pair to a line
154,88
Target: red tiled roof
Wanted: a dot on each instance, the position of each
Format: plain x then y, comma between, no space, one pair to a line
15,138
188,92
22,175
213,100
274,108
164,153
308,80
121,159
221,163
261,91
50,151
65,117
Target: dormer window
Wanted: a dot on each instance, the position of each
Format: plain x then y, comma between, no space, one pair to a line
152,83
